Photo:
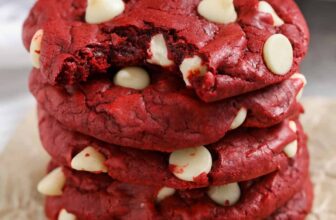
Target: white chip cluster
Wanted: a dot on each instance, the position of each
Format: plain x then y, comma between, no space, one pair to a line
190,163
89,160
278,54
100,11
53,183
35,48
218,11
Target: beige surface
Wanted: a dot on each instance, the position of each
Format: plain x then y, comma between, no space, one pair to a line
23,162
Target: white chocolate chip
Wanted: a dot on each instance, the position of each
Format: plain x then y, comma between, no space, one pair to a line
265,7
89,160
304,80
218,11
291,149
189,163
299,76
190,66
165,192
99,11
292,126
158,51
132,77
299,95
225,195
35,48
53,183
239,119
64,215
278,54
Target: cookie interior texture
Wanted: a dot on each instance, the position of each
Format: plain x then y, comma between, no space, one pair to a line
77,51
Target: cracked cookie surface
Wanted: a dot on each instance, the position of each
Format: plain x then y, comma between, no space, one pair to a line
73,51
85,194
232,156
165,116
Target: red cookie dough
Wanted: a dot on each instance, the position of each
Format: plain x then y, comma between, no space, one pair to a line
74,51
165,116
233,156
93,197
298,207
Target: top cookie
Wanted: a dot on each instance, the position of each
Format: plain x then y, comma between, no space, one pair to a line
221,48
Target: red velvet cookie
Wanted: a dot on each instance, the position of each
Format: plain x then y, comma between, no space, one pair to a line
94,196
298,207
252,45
165,116
231,158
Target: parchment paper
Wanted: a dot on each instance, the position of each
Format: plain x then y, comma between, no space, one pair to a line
23,162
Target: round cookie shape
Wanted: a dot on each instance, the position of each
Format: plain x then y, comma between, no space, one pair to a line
164,116
149,33
230,162
258,200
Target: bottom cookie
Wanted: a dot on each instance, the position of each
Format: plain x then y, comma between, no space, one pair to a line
97,197
298,207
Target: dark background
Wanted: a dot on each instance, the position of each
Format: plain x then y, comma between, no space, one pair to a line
320,64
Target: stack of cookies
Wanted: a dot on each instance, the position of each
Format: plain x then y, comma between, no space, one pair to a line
170,109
